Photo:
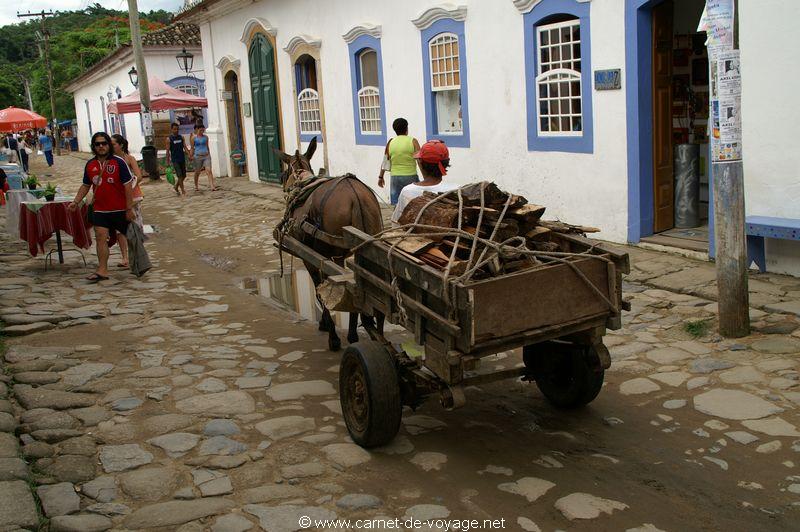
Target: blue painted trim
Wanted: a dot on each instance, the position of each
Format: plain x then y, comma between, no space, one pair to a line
308,137
712,238
355,48
431,127
540,14
638,95
188,80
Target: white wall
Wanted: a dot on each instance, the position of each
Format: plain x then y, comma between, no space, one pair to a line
579,188
770,114
161,64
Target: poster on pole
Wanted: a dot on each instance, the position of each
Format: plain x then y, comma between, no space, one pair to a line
729,96
147,123
718,23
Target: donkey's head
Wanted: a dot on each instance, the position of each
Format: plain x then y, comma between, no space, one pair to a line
298,166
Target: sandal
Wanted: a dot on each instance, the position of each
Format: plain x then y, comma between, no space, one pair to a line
96,278
123,265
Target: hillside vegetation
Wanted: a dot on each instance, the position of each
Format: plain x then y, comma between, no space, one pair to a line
78,40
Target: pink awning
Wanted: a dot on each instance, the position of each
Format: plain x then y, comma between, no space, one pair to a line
162,98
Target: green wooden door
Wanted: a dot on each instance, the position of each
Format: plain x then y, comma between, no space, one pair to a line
265,109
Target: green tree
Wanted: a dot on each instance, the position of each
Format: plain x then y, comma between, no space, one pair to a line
78,40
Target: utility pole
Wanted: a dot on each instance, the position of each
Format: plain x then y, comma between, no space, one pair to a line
719,22
148,152
46,34
26,83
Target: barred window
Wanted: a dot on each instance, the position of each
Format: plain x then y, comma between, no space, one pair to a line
446,82
189,89
558,79
369,93
369,110
308,107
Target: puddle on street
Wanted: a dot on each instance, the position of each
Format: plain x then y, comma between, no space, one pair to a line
294,291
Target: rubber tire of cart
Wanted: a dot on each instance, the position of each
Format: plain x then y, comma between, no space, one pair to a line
568,376
369,392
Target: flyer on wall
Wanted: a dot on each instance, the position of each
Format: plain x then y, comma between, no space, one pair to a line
717,21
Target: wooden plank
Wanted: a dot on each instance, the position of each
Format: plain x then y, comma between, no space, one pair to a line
306,254
537,298
448,325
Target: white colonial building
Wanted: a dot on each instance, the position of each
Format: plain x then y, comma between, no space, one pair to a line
109,80
510,85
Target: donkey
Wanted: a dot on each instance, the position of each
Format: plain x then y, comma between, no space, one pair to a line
333,205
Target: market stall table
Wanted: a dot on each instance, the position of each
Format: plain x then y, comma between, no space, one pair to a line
40,219
13,200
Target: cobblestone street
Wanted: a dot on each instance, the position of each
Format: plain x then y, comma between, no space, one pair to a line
189,400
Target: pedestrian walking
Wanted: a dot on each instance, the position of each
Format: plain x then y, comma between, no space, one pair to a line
66,140
108,176
398,159
24,152
201,156
120,147
46,145
177,152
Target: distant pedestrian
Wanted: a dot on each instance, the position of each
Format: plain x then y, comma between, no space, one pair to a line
399,160
46,145
23,149
201,156
66,139
177,152
12,146
111,180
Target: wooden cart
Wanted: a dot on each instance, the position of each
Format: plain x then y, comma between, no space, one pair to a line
555,314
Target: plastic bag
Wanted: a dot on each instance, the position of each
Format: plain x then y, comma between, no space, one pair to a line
170,175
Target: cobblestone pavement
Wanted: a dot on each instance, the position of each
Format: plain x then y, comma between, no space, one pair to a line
187,401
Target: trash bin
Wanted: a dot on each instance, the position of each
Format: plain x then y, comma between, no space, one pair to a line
687,185
150,161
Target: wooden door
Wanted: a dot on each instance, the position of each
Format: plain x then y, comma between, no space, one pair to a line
266,119
663,179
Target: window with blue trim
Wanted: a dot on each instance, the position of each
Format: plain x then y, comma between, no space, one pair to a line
308,105
558,77
366,71
446,109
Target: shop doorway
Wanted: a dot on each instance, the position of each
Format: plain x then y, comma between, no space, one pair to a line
233,112
679,114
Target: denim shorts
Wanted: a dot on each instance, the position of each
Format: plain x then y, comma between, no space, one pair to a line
202,161
397,183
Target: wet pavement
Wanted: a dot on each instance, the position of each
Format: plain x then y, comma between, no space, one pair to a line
202,397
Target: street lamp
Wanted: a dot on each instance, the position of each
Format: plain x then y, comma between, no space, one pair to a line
185,60
110,95
134,76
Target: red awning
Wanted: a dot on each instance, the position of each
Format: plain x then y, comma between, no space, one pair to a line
13,119
162,98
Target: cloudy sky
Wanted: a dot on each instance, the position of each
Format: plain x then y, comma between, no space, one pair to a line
8,9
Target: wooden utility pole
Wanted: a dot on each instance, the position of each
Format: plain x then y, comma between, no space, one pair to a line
149,157
719,21
46,34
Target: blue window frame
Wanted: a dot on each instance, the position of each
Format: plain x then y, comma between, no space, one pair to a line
572,130
369,109
440,35
186,120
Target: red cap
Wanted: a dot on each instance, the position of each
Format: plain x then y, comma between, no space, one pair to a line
434,151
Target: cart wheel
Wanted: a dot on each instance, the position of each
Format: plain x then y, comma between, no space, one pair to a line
369,392
565,374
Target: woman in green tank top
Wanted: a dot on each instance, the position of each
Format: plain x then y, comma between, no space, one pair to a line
399,160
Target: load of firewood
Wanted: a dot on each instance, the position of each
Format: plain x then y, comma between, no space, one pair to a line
504,218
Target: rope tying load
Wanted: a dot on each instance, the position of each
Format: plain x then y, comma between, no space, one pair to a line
486,257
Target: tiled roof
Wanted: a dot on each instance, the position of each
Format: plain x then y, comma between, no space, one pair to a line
178,33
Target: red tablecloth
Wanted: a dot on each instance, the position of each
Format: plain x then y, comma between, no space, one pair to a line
37,227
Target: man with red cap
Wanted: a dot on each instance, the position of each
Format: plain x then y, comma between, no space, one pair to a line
433,159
